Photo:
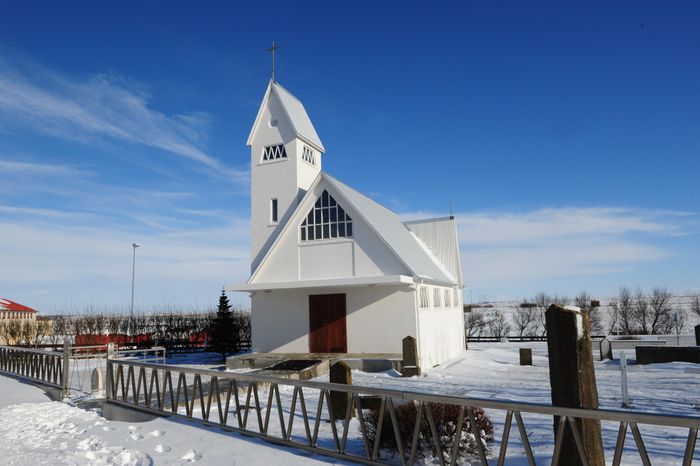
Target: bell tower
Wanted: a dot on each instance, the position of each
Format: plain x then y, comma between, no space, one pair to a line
285,159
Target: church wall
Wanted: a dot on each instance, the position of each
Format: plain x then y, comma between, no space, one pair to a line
378,318
441,334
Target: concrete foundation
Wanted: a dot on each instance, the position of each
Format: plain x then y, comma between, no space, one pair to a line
268,363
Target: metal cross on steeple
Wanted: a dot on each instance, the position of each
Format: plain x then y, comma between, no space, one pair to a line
272,49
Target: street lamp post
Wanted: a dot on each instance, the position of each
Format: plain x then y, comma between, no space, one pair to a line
133,275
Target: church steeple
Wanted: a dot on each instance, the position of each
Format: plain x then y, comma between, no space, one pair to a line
286,155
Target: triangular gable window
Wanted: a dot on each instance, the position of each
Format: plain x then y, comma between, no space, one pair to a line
326,220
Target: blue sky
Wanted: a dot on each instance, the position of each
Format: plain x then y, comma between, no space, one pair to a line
564,135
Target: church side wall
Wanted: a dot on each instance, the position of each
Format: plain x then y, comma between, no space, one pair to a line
441,334
378,318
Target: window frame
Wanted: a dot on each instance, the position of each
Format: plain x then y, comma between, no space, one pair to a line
282,153
326,220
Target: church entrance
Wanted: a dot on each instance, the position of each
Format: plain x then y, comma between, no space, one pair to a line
327,332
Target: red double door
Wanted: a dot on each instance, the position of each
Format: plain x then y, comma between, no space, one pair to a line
327,330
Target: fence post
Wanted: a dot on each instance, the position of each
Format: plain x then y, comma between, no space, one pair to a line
623,380
572,378
108,371
66,368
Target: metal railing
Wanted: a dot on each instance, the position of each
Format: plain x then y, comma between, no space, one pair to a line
156,354
44,367
210,396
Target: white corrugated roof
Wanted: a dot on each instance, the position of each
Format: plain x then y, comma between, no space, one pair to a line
297,116
295,113
406,245
440,235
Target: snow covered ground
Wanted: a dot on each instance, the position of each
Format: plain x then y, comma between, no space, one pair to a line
492,371
34,430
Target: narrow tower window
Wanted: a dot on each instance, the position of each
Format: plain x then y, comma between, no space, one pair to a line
273,210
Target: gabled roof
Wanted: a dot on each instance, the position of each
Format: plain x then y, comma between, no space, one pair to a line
387,224
407,247
295,113
7,305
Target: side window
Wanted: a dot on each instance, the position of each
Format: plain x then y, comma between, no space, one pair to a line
273,210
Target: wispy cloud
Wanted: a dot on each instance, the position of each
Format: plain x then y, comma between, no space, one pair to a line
100,107
547,225
502,250
29,168
49,267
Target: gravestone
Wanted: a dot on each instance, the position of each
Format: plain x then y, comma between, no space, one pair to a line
340,373
97,380
526,356
605,349
410,357
572,378
697,335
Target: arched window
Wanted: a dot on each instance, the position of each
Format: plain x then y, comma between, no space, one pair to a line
326,220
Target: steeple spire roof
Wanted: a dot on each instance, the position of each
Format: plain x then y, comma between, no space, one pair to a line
295,113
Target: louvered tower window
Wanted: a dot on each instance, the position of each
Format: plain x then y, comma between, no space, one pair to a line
326,220
308,155
274,153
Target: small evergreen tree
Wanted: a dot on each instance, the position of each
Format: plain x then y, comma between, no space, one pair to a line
223,334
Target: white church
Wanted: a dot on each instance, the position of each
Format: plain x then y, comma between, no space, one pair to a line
332,270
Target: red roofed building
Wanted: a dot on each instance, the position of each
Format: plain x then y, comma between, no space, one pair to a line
12,310
13,318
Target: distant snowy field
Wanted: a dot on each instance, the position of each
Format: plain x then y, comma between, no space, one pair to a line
37,431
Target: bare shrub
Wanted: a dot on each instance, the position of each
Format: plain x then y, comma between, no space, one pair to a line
445,417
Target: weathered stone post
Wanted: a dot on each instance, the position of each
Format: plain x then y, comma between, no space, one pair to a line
340,373
697,335
410,363
572,378
526,356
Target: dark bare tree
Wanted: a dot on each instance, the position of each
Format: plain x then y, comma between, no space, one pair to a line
498,326
525,321
661,312
59,329
642,314
695,304
678,320
625,310
583,300
474,323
